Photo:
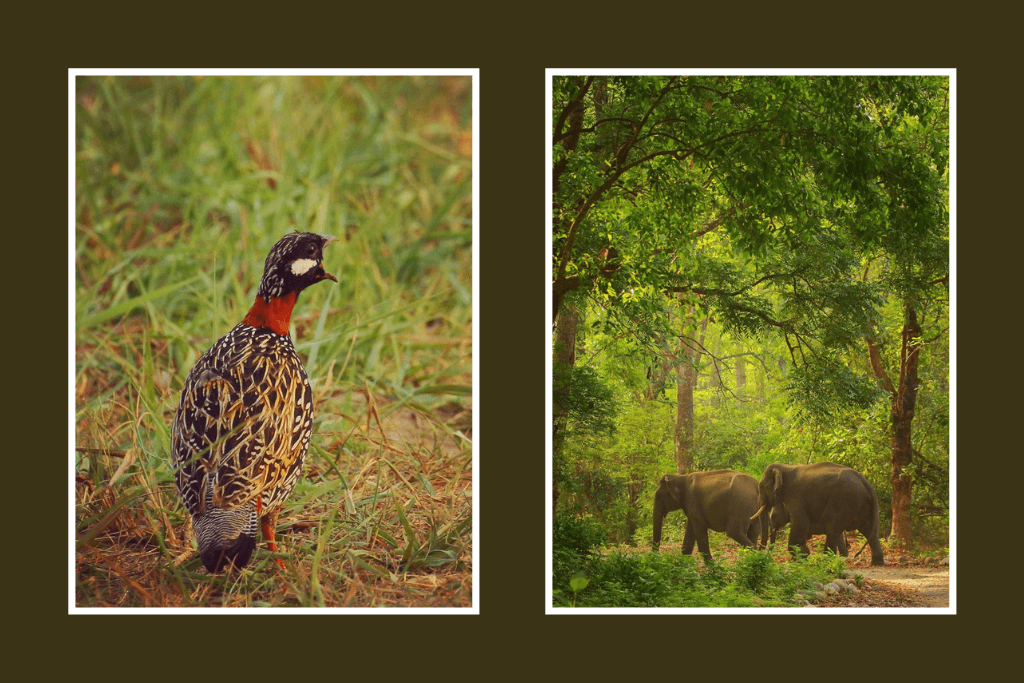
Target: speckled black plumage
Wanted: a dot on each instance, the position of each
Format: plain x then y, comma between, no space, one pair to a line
245,417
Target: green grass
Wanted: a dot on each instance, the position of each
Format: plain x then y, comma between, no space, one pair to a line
182,187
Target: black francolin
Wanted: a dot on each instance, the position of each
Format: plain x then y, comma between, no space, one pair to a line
246,414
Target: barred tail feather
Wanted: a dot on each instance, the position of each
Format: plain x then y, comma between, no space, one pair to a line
226,537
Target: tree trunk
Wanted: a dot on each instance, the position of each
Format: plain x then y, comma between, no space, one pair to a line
686,375
565,354
575,124
633,489
902,415
875,359
686,380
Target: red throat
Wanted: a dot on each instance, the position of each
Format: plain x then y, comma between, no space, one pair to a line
275,314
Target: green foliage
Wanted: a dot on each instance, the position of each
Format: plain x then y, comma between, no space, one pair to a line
755,570
829,564
577,533
587,402
717,574
611,477
731,434
575,541
671,184
821,391
639,580
629,579
578,582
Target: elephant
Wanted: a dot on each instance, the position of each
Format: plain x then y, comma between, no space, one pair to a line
780,518
719,500
821,497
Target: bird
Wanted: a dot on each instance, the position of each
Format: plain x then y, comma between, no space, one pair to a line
244,421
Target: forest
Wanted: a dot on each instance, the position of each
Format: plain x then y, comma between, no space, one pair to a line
746,270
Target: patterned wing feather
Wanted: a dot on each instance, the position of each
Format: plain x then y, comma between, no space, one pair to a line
243,424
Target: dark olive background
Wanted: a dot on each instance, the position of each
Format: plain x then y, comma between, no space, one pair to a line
511,638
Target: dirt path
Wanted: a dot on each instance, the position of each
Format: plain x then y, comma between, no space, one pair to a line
929,585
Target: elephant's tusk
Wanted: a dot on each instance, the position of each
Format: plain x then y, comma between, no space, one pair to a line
758,513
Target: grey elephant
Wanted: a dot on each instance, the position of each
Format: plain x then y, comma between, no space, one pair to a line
780,518
822,497
719,500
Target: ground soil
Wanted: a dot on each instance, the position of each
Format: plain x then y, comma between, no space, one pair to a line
904,581
907,584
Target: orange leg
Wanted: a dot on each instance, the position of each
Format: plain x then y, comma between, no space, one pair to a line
268,524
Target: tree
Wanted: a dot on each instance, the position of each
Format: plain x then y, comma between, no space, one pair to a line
914,255
686,361
664,161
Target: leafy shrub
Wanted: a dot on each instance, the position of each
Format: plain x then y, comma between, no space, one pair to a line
632,579
734,596
644,580
575,541
579,534
827,564
716,575
672,531
755,570
803,572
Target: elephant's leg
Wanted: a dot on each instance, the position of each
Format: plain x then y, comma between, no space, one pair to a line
834,544
832,532
743,534
799,532
877,559
754,531
688,539
702,543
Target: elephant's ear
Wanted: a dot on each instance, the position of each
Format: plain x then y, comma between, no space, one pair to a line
667,484
778,480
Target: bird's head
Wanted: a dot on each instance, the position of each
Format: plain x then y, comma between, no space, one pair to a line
294,263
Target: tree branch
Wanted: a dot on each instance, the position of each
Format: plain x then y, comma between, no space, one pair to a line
576,102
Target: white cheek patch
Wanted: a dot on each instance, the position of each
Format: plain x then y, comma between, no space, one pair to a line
302,265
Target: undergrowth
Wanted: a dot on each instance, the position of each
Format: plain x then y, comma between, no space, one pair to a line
653,579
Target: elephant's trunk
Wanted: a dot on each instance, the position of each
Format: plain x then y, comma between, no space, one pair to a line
758,513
